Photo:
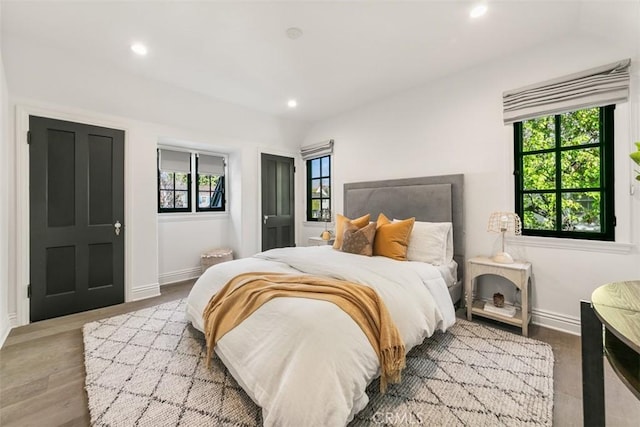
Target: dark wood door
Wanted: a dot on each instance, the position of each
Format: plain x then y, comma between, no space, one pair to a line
278,202
76,196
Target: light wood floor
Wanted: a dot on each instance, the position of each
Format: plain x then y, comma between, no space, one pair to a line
42,372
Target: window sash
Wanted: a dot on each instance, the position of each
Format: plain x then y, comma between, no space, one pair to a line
606,190
320,177
174,191
211,166
213,193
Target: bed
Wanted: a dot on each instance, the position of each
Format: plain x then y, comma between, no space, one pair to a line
304,361
432,199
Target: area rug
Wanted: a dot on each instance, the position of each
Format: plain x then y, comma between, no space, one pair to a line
148,368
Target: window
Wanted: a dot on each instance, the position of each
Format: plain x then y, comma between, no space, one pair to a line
177,192
318,188
210,183
174,181
564,174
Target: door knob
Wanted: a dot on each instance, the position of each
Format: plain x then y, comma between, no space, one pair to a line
265,218
117,227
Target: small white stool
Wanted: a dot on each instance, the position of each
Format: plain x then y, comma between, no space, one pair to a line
215,256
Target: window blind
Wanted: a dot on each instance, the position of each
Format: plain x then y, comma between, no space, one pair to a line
210,165
597,87
314,151
175,161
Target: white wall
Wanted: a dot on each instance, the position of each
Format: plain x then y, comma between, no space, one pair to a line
5,201
200,232
455,125
149,112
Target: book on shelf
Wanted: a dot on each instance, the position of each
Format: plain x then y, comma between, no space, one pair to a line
506,310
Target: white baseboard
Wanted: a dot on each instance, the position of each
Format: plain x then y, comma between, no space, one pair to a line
557,321
145,291
179,275
4,334
6,329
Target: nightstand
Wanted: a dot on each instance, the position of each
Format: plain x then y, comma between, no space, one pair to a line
518,273
318,241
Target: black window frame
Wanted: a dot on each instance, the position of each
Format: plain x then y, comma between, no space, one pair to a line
211,191
310,178
607,201
160,190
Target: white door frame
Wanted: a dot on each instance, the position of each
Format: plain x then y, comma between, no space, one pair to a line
22,194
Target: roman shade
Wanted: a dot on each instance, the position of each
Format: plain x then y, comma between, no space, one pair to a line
597,87
210,165
175,161
314,151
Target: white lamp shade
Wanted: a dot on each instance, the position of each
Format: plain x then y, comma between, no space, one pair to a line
504,222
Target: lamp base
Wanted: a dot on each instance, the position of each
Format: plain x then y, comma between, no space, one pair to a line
502,258
325,235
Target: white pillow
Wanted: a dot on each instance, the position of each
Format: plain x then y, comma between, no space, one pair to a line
431,242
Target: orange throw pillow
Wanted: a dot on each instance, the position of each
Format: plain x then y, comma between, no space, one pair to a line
341,222
392,238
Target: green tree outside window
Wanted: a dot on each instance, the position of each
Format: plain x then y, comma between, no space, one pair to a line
564,174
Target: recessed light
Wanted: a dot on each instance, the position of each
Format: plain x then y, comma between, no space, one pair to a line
292,103
478,11
139,48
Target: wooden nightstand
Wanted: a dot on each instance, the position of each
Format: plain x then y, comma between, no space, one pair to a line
518,273
318,241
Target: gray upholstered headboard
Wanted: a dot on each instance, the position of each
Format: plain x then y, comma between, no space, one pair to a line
432,198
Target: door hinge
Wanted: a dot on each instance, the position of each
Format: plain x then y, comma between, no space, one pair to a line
615,221
29,290
294,169
28,137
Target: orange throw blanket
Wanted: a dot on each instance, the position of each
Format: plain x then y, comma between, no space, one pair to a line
246,292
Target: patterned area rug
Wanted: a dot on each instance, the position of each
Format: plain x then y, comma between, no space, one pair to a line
147,368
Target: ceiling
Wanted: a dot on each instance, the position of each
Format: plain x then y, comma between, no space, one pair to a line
350,53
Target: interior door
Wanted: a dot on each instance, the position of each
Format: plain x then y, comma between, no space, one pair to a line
76,198
278,202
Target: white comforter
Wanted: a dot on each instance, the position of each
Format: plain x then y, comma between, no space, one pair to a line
306,362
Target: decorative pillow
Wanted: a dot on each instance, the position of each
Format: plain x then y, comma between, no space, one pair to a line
392,238
341,221
359,241
431,242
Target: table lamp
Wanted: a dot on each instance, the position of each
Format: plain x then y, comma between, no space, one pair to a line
502,222
325,215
